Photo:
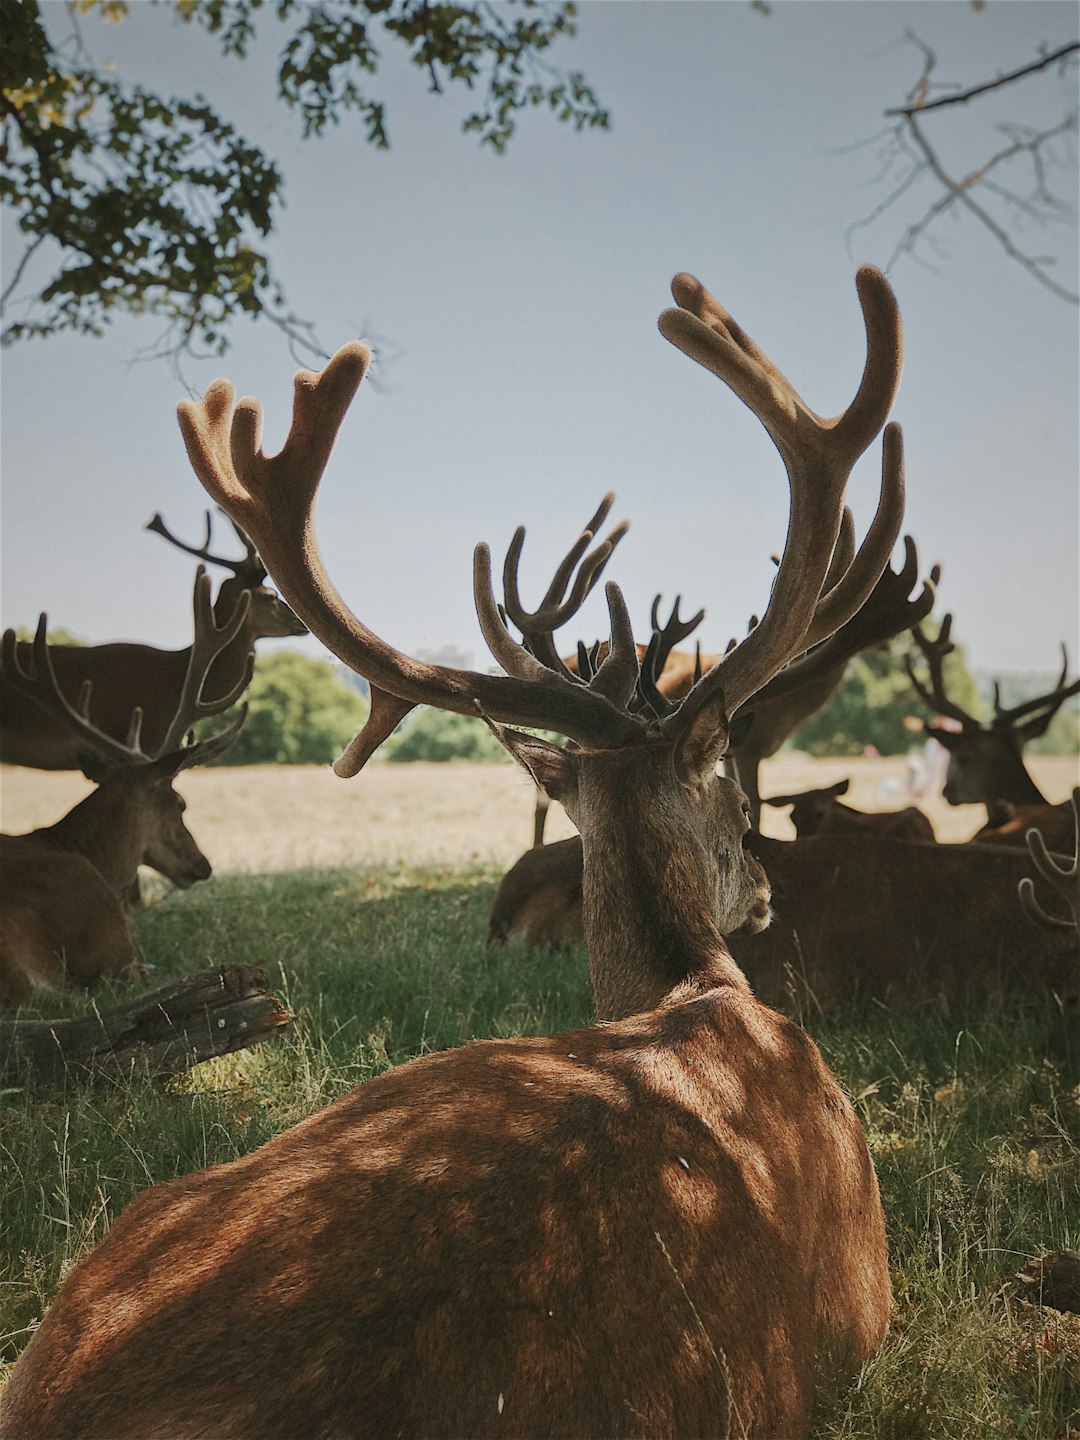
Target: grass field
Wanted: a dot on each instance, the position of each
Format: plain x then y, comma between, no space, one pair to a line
976,1136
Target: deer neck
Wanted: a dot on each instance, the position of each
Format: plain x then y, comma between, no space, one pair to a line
648,910
1010,779
101,830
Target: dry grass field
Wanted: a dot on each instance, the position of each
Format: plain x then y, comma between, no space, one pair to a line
261,819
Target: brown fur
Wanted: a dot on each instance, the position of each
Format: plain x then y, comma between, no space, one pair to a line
78,939
1056,822
538,901
917,936
128,676
664,1225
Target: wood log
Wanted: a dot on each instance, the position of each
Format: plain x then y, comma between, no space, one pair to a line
160,1033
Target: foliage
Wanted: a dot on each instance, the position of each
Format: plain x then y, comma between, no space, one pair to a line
59,636
157,204
430,734
300,712
876,703
974,1134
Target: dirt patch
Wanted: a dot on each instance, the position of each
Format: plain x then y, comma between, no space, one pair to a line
261,818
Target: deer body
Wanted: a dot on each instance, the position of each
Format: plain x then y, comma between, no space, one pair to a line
61,924
854,918
819,812
568,1236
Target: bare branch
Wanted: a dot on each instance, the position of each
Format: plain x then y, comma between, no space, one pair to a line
913,156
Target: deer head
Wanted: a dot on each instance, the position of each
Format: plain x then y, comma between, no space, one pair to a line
136,815
986,758
268,617
640,778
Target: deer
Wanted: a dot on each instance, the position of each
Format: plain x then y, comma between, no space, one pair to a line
819,812
986,764
63,920
126,677
856,919
665,1223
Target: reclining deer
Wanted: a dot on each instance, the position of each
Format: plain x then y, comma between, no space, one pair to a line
666,1224
62,921
126,677
986,764
820,812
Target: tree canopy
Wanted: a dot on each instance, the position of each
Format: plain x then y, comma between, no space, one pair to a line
157,204
300,712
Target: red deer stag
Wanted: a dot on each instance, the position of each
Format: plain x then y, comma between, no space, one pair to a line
62,919
127,677
666,1224
986,765
819,812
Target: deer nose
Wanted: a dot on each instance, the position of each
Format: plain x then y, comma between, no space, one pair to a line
199,869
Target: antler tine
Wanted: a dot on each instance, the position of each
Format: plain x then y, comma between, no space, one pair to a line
39,684
818,454
662,641
934,652
538,626
209,641
1064,878
888,612
201,552
1055,698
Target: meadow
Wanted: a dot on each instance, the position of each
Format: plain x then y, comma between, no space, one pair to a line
371,925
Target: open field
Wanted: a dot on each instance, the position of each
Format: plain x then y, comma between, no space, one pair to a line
253,820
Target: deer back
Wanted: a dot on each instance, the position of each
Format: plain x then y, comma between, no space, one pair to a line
529,1237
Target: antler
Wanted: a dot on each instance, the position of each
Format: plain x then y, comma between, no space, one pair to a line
934,652
1064,878
250,568
662,642
210,640
1051,703
39,683
888,612
818,454
273,499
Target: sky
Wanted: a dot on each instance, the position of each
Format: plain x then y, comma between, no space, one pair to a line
514,299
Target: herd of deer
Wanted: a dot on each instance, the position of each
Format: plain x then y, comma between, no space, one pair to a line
668,1223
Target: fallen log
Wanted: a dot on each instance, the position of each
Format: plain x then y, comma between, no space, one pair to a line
160,1033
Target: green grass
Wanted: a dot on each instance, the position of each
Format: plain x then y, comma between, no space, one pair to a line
976,1135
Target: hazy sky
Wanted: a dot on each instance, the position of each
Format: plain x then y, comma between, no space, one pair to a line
516,298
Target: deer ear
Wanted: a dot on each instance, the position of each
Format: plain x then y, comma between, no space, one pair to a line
551,767
704,742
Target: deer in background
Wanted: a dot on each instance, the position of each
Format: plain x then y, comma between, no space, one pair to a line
63,884
986,765
128,677
666,1224
819,812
